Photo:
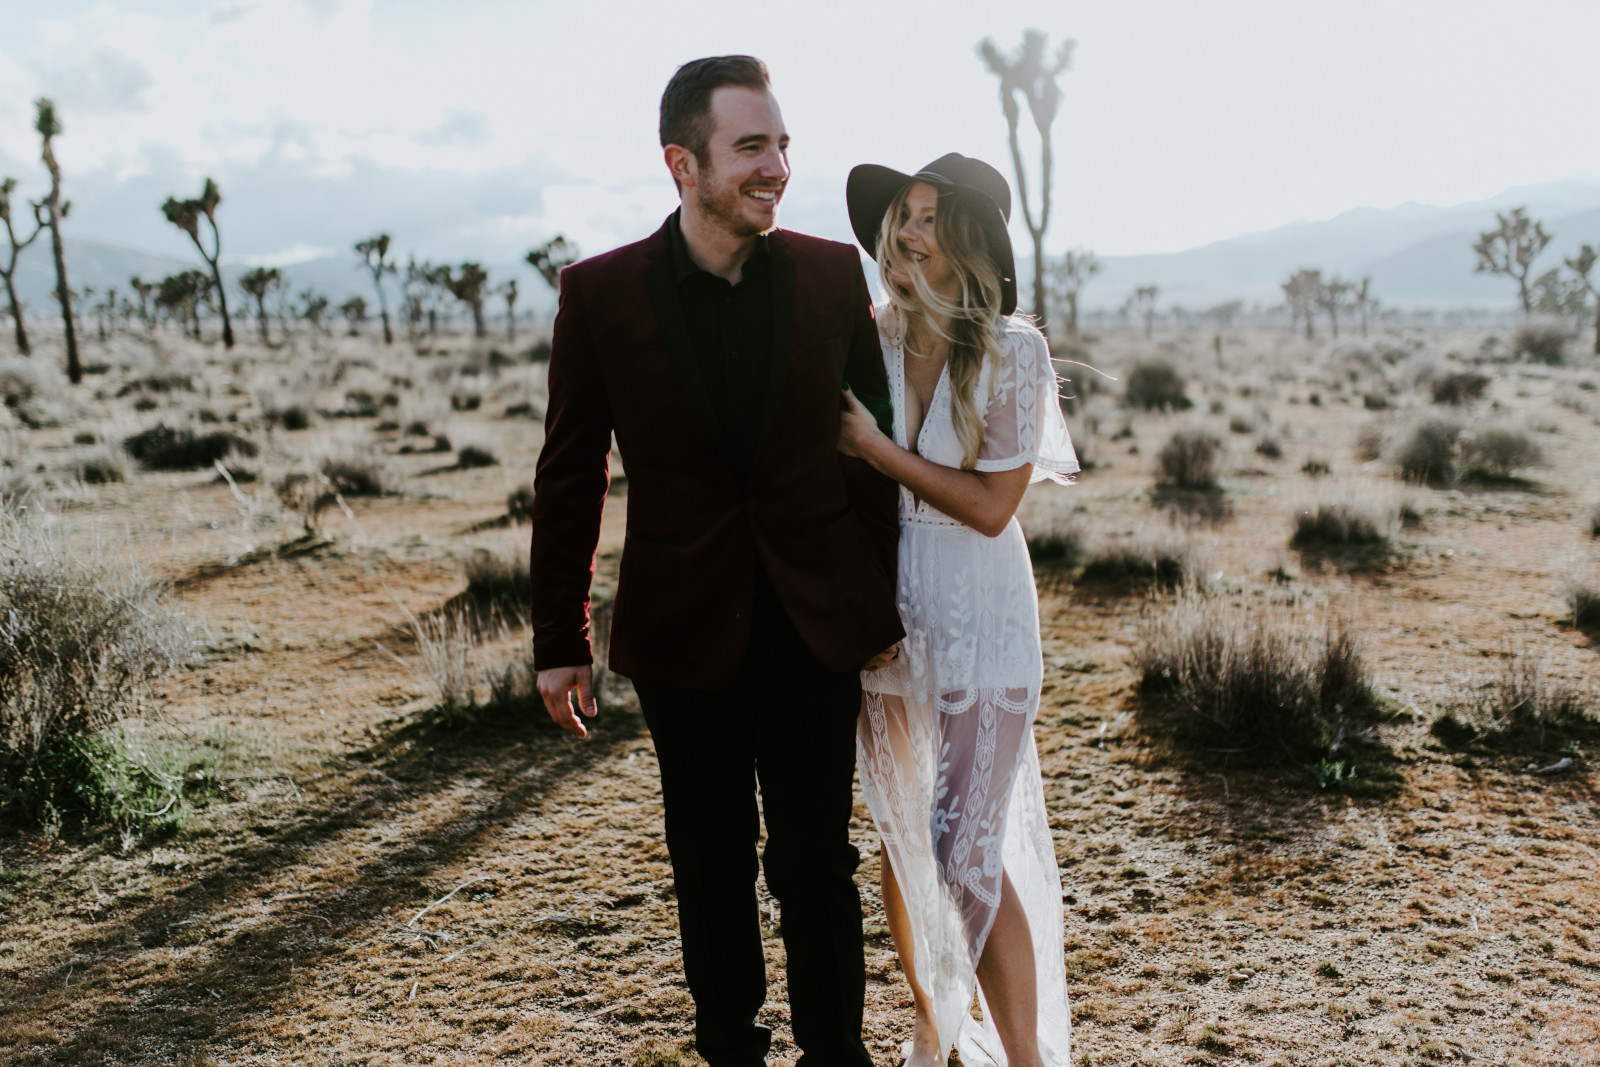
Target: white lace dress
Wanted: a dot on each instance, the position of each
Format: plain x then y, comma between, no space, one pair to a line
945,741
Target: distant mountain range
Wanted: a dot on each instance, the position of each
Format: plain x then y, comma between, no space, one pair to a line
1417,256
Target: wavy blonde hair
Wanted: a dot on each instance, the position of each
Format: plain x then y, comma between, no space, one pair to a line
976,329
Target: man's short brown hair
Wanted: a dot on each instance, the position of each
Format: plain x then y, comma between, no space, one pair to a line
686,103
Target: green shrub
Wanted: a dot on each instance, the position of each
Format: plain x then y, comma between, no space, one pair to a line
167,448
1156,385
81,643
1189,460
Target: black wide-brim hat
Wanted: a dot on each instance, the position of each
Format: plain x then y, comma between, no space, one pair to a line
870,189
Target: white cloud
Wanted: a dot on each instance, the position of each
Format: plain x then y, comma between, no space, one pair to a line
460,129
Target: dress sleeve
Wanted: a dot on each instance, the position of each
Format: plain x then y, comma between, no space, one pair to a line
1023,421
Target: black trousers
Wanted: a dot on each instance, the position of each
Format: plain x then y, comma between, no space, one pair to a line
787,728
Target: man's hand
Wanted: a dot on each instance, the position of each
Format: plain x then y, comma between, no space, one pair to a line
882,659
556,686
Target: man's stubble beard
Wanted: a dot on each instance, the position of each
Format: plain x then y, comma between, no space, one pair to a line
725,210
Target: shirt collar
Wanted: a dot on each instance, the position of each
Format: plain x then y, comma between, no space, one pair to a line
684,266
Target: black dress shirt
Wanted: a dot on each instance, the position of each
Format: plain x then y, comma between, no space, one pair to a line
730,327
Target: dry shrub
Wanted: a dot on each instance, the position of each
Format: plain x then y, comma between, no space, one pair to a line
1341,523
1520,707
168,448
103,467
1241,424
1316,468
1156,385
1542,342
82,640
1369,442
290,416
1460,387
1058,539
1498,451
1591,521
1430,452
1252,681
355,471
447,644
475,455
1269,448
19,383
499,577
1582,594
19,490
1189,460
519,503
1166,559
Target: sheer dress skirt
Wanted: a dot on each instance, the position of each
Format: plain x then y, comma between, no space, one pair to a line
948,765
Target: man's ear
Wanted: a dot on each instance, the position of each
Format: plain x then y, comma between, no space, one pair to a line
681,164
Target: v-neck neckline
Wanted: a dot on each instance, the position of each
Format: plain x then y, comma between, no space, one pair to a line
905,391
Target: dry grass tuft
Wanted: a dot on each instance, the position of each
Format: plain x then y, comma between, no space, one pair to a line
475,455
1460,387
1254,682
519,503
1341,523
1521,707
167,448
1165,559
1542,342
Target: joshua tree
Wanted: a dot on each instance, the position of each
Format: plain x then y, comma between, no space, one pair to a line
509,291
105,312
185,215
144,291
49,212
1333,297
1582,265
1510,249
469,287
1143,304
354,311
549,258
1068,276
1031,71
7,186
313,308
374,253
257,283
1363,301
1302,292
182,294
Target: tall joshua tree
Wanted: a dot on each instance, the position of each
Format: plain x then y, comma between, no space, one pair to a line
10,269
257,283
186,215
1510,249
374,253
1302,292
49,212
144,291
1031,71
469,286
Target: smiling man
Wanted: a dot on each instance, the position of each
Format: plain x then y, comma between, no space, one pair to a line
757,577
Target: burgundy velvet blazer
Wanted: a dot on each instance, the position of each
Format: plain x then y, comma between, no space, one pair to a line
824,525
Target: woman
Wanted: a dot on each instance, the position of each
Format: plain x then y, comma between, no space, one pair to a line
945,740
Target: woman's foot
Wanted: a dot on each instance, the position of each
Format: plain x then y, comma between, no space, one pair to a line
925,1051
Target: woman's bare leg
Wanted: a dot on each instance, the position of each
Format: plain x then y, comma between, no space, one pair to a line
1006,972
925,1050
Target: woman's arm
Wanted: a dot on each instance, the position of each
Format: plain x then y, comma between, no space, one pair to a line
984,501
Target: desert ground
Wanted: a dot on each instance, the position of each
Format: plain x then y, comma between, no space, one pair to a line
388,855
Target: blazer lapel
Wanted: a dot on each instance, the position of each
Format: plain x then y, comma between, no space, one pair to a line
784,283
661,286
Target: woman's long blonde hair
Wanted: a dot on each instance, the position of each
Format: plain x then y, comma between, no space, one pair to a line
976,328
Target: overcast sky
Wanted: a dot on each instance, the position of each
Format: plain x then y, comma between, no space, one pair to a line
477,128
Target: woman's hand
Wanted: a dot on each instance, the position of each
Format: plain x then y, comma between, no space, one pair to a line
857,428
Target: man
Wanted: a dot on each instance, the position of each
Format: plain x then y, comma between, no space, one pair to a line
757,576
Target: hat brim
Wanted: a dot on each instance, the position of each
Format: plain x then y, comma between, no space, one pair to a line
871,188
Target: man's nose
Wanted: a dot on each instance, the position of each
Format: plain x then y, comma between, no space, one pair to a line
775,165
